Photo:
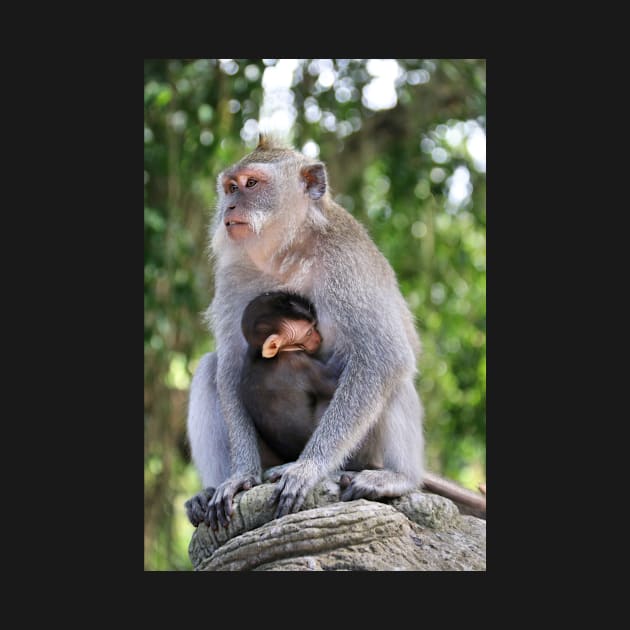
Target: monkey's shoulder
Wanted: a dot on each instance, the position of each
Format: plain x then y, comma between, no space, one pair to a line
346,245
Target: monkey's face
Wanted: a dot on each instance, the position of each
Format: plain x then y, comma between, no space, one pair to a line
292,335
247,197
267,196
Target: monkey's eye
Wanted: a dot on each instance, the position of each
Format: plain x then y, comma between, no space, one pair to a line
251,182
309,332
232,187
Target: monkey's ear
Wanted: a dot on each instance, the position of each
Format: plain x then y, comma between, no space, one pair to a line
314,177
272,346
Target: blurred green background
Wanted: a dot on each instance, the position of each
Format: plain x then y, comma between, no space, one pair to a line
404,144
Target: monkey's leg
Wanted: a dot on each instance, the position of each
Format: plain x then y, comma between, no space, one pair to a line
207,435
374,484
233,476
394,447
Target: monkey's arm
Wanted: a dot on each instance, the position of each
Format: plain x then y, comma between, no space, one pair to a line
376,359
245,465
322,377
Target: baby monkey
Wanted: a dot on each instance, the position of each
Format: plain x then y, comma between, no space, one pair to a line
284,386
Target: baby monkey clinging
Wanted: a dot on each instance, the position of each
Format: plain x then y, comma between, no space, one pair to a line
284,386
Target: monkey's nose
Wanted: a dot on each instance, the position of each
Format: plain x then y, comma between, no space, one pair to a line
231,207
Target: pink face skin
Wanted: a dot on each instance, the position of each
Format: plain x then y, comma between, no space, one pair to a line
239,187
294,335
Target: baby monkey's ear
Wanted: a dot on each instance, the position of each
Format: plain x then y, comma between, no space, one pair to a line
272,346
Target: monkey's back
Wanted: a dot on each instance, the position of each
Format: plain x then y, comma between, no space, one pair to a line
280,397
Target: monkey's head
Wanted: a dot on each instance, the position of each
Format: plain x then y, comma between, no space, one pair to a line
280,322
268,195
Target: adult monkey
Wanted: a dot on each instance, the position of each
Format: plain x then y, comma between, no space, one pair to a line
276,227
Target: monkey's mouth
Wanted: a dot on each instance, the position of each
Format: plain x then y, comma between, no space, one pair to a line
237,230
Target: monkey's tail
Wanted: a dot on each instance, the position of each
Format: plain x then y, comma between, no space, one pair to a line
467,501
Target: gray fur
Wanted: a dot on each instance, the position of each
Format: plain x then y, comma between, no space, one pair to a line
316,248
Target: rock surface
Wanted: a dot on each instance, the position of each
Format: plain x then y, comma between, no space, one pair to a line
415,532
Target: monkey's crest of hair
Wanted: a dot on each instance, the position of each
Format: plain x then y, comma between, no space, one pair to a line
269,141
270,147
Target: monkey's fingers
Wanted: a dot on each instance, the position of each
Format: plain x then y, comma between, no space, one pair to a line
195,511
211,517
221,507
275,472
291,490
275,494
358,491
299,500
197,506
216,509
224,509
216,515
346,479
349,493
285,505
225,514
291,498
283,497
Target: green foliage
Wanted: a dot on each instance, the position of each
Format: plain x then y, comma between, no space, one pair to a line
408,170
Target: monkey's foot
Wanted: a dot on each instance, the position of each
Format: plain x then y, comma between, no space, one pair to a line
197,506
373,484
220,507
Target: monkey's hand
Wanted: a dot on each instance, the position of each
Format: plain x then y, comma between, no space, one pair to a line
275,472
220,506
296,481
334,367
197,506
